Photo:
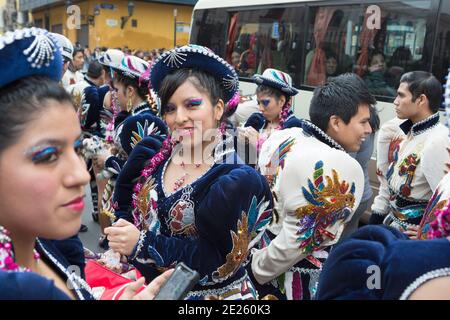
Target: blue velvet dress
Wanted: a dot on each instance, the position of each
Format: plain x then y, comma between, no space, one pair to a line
258,122
208,224
379,262
65,257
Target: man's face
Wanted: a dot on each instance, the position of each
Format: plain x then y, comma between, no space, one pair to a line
405,108
351,135
78,60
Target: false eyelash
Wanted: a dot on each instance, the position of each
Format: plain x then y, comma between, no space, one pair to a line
42,154
195,102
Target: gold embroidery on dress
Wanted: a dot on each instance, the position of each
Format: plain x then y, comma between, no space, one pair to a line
106,206
238,254
144,200
76,98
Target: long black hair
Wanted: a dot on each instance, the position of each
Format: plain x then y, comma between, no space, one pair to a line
140,87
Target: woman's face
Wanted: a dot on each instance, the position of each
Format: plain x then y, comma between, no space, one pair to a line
190,115
43,176
377,63
269,105
331,65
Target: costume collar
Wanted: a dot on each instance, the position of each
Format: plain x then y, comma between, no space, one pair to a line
75,282
88,80
289,116
421,126
315,131
140,108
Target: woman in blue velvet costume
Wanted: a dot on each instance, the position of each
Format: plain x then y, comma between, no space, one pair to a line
43,174
196,202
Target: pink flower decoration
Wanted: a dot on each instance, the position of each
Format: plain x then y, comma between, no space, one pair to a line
440,227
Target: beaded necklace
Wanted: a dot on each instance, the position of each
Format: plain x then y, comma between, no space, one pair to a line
7,262
160,157
180,181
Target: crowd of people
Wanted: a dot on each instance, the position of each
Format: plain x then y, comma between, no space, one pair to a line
264,210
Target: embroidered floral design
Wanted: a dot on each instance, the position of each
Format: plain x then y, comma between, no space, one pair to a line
146,203
241,240
277,161
108,208
249,230
76,98
329,204
142,132
440,227
182,215
434,206
408,168
394,148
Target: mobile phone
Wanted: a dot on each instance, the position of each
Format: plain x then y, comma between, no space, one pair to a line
182,280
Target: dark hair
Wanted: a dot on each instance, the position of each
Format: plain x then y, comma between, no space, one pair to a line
374,120
284,113
23,99
95,70
271,91
341,96
373,53
421,82
78,49
202,80
141,88
330,54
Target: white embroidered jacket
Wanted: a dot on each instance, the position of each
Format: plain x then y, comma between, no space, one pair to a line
411,160
316,186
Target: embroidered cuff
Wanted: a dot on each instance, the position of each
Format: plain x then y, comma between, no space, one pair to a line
138,248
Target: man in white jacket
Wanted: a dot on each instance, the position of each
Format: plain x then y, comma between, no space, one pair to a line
316,185
412,153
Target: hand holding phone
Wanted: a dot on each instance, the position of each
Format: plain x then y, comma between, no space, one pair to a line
182,280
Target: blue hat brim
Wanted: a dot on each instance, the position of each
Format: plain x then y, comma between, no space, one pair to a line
193,56
14,62
260,80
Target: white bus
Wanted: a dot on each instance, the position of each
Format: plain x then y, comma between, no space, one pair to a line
314,39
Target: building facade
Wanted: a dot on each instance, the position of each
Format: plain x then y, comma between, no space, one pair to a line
141,25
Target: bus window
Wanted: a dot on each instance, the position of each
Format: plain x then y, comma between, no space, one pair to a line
441,61
379,45
207,29
266,38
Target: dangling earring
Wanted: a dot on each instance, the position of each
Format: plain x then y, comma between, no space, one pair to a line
129,105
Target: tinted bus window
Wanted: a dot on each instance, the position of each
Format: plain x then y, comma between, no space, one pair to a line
380,44
441,61
208,29
266,38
